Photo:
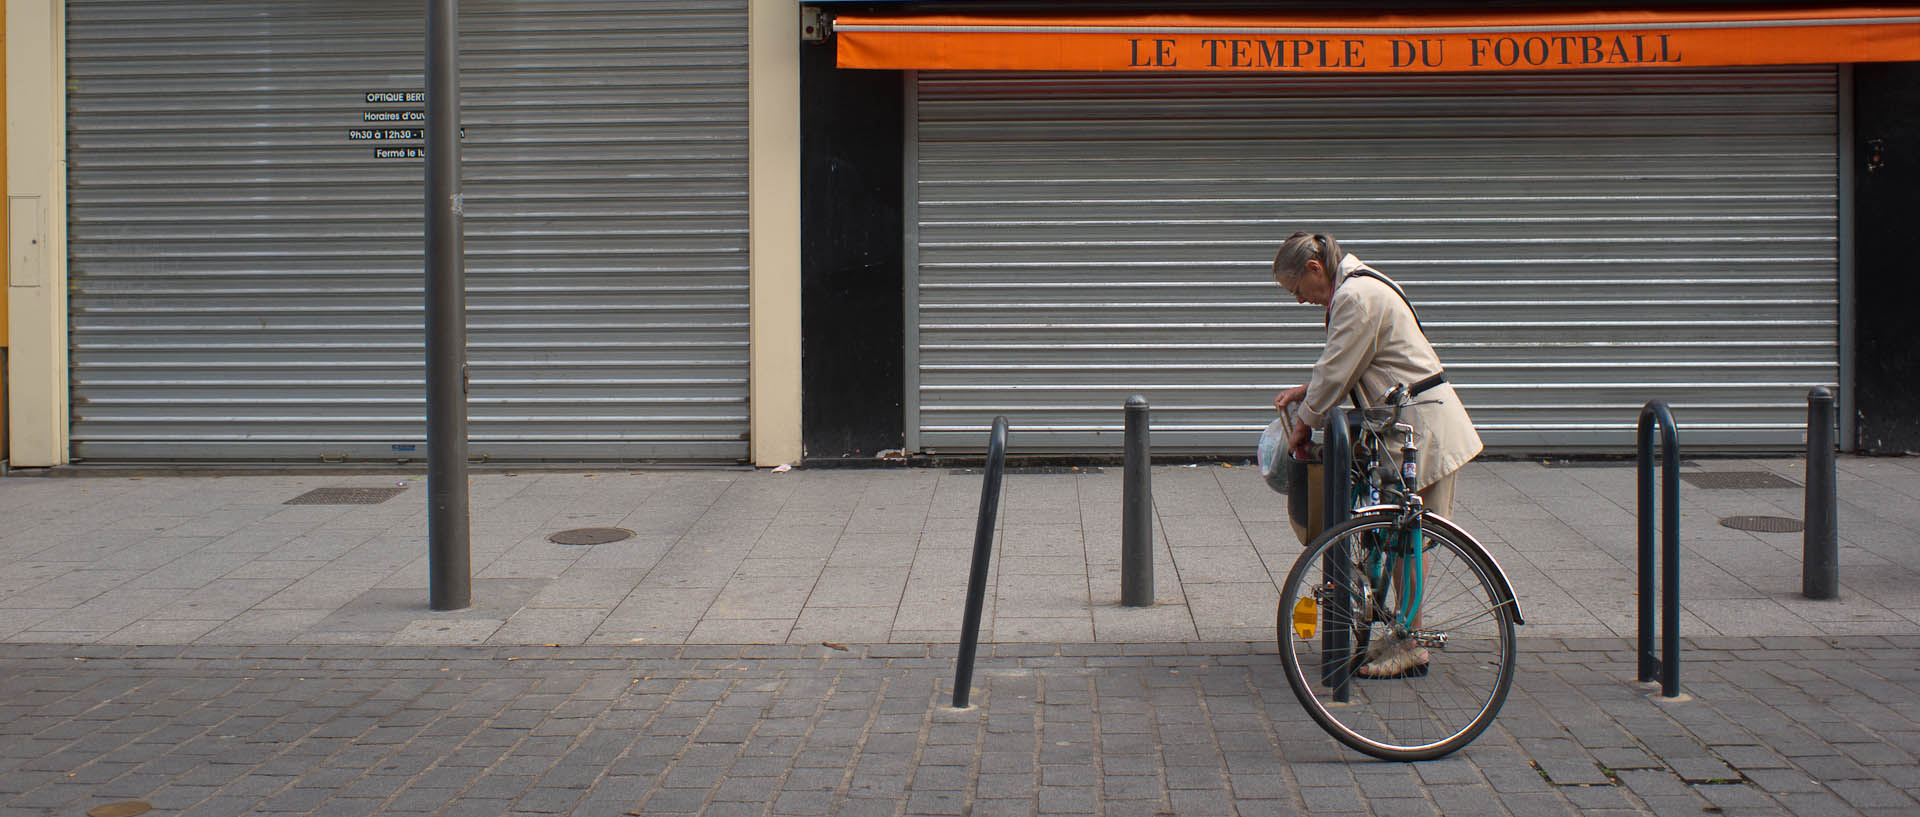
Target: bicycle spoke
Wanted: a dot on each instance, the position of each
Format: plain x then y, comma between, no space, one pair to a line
1488,613
1464,590
1424,714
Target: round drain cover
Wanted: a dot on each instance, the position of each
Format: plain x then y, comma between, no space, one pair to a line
1763,524
124,808
589,536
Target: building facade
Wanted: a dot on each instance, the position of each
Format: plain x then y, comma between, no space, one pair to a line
745,231
1681,207
231,197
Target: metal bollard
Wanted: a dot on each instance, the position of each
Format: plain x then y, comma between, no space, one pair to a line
1136,503
1820,549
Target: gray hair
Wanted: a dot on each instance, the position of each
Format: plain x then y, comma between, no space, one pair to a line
1291,261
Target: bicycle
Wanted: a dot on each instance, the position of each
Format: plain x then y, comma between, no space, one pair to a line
1357,593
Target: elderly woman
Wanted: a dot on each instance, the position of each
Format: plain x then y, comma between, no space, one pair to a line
1374,342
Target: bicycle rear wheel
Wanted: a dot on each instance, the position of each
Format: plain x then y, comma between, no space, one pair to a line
1331,613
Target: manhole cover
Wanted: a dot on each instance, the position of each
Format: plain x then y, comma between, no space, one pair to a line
345,496
124,808
1037,469
589,536
1745,480
1763,524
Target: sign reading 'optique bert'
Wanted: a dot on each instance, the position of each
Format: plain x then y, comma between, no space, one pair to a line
393,125
404,125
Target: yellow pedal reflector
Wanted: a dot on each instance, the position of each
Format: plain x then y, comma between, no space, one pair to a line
1306,617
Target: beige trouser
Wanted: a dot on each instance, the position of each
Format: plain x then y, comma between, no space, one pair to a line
1438,497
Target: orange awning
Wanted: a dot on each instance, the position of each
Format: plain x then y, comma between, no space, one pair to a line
1410,42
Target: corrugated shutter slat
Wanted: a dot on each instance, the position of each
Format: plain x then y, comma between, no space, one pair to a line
1577,245
247,280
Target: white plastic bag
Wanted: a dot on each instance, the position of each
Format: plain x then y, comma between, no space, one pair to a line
1272,455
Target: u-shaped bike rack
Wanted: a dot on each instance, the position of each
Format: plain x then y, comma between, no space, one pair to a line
1667,664
982,559
1336,506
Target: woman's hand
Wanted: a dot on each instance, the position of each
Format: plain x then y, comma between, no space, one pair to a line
1298,434
1290,396
1298,439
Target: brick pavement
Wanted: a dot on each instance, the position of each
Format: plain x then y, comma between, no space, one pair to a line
1773,727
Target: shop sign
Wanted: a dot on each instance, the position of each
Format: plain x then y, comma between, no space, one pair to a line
1389,43
397,125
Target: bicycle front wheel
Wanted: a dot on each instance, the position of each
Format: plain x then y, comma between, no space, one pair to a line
1336,613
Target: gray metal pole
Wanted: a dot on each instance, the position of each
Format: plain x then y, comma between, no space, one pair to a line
449,553
1136,523
1820,549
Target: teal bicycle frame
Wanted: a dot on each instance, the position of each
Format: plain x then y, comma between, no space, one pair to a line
1409,579
1396,556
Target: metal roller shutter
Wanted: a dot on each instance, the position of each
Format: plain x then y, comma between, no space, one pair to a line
247,275
1577,245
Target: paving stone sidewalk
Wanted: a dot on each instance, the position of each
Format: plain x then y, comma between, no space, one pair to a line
1790,726
876,556
199,644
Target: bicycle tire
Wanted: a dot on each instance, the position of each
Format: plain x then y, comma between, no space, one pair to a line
1468,675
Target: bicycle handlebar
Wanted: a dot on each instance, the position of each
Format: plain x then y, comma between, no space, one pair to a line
1386,416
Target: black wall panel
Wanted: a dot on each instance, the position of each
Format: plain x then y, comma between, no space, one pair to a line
1886,176
852,329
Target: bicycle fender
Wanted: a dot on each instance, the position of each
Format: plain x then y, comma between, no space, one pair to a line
1501,584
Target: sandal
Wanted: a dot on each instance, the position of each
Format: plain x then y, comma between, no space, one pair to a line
1401,660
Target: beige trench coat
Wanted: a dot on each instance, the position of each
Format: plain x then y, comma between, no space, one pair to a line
1374,343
